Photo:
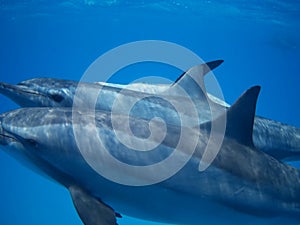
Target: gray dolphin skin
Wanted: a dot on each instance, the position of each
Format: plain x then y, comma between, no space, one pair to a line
242,185
279,140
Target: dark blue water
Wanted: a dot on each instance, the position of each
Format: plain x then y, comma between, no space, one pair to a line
259,41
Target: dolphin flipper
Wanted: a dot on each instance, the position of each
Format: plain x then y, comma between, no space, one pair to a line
91,210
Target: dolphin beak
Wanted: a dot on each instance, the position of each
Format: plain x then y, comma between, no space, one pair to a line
17,93
4,88
9,88
5,138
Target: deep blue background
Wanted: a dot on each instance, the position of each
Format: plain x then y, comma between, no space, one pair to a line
259,42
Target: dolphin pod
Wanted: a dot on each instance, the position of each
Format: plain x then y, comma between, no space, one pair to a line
243,185
49,92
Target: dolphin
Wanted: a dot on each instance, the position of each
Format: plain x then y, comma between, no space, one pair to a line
49,92
243,185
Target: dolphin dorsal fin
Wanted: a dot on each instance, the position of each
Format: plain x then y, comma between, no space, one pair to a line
240,117
192,81
206,68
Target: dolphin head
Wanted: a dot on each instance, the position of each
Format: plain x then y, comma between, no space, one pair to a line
7,141
33,137
29,134
11,145
40,92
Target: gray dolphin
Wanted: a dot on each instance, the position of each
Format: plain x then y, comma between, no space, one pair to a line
242,185
151,102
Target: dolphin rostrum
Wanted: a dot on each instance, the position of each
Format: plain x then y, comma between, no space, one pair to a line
242,185
48,92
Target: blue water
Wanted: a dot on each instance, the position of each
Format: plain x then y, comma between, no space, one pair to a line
259,41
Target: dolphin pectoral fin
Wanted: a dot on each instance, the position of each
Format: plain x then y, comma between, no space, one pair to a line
192,81
91,210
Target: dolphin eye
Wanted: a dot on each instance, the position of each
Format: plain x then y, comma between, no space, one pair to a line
57,97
